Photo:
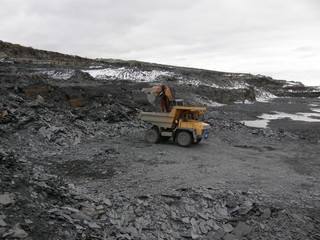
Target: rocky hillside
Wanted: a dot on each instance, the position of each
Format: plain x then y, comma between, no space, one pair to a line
38,71
20,53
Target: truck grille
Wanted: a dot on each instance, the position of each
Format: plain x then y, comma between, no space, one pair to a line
205,133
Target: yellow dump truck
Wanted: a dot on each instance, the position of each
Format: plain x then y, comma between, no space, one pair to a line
183,124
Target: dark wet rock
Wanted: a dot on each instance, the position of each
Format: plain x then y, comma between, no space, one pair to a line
28,221
2,231
190,209
3,223
69,234
93,225
193,222
242,229
16,233
227,227
266,214
6,199
229,236
185,220
204,216
107,202
222,212
203,227
245,207
216,235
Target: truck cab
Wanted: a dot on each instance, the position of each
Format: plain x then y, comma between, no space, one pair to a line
192,121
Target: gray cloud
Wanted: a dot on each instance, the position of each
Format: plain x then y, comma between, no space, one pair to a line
229,35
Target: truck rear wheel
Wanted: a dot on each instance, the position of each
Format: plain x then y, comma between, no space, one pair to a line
184,138
152,135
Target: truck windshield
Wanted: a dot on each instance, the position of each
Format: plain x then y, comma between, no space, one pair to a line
196,116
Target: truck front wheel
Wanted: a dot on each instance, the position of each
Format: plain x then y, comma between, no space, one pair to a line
152,135
184,138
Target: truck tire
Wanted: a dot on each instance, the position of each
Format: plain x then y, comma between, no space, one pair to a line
184,138
152,135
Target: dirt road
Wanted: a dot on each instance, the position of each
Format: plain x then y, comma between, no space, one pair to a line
276,160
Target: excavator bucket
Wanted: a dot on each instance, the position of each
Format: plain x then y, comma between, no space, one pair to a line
144,98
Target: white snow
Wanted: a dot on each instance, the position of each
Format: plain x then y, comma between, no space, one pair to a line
59,74
95,67
233,74
207,102
243,102
196,83
3,60
127,74
263,96
266,118
213,85
261,123
316,89
291,84
307,117
314,105
190,82
238,85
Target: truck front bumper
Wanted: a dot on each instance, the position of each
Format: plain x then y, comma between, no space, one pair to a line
205,134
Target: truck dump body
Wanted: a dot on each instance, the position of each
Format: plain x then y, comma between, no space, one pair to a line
164,120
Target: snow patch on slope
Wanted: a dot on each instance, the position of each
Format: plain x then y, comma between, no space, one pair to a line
197,83
5,60
292,84
207,102
263,96
127,74
238,85
58,74
244,102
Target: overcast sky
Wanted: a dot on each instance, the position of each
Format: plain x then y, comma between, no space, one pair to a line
277,38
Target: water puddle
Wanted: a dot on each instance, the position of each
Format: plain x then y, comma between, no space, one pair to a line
264,119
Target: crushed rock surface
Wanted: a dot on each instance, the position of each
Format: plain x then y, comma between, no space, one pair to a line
86,172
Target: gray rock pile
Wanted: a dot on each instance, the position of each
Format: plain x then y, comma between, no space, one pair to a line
36,205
